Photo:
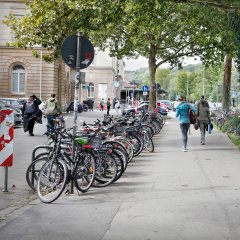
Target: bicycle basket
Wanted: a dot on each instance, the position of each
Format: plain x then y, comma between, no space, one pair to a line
81,140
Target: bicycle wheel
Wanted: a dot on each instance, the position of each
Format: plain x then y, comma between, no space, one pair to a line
118,145
137,144
51,181
150,145
129,148
84,171
33,171
106,170
118,157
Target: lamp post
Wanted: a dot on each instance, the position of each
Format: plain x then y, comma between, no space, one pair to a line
41,65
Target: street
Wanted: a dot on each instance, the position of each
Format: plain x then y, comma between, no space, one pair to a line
168,194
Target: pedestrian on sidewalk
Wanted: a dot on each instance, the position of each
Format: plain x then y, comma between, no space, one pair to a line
31,112
203,117
102,105
108,106
117,106
52,110
182,112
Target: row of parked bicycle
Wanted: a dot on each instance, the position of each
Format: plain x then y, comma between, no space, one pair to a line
97,155
228,122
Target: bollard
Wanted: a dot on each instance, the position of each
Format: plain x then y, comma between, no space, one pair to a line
5,179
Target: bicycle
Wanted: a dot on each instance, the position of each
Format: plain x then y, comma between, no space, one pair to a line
60,169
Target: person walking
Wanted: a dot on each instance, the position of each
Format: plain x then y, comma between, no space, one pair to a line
117,106
108,106
90,104
30,113
102,104
182,112
51,110
203,118
203,100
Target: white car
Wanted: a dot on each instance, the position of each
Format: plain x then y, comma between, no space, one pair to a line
17,113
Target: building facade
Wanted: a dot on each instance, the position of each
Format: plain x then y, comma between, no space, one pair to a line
22,74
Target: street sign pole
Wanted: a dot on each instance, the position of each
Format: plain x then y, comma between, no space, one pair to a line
156,94
76,98
78,53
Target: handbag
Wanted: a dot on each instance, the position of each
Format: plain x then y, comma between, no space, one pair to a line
210,128
196,125
191,115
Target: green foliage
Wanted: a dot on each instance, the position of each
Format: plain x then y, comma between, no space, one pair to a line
231,124
235,139
162,31
234,18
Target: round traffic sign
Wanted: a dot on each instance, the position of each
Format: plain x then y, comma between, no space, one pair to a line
145,88
69,51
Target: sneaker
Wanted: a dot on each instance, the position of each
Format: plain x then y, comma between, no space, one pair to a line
184,149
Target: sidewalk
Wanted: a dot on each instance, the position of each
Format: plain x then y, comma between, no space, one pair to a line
168,194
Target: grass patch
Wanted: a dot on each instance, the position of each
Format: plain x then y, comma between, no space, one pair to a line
235,139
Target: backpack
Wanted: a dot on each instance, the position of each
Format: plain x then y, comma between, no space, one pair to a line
29,107
108,104
192,116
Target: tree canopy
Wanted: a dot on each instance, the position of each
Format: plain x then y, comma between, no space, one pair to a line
162,31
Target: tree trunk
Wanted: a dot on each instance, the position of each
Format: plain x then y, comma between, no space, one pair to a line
152,73
227,82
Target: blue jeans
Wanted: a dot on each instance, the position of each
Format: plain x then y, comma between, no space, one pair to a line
49,121
184,129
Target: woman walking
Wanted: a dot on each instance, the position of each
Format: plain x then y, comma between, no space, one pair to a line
203,115
30,113
182,112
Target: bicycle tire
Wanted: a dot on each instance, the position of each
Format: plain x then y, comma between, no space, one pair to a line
84,172
53,176
150,145
129,148
106,171
137,143
33,171
118,157
118,145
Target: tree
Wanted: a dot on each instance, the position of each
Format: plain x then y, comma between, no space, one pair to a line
161,31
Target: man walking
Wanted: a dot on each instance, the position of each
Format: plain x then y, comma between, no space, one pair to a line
52,110
108,106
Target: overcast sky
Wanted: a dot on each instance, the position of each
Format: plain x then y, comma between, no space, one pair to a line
141,62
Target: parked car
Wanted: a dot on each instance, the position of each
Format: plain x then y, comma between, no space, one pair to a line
17,113
166,103
144,105
12,102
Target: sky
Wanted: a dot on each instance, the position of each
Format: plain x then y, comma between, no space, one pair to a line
134,64
141,62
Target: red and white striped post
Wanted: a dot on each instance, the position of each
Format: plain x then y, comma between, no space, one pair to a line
6,142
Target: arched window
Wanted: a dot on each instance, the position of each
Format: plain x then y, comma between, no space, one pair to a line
18,79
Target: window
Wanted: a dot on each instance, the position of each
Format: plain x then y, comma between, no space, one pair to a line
90,90
18,79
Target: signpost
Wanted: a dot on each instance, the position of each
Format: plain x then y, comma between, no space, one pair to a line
145,88
6,142
77,52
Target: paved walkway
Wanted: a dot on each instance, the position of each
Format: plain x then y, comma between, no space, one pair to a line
168,194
